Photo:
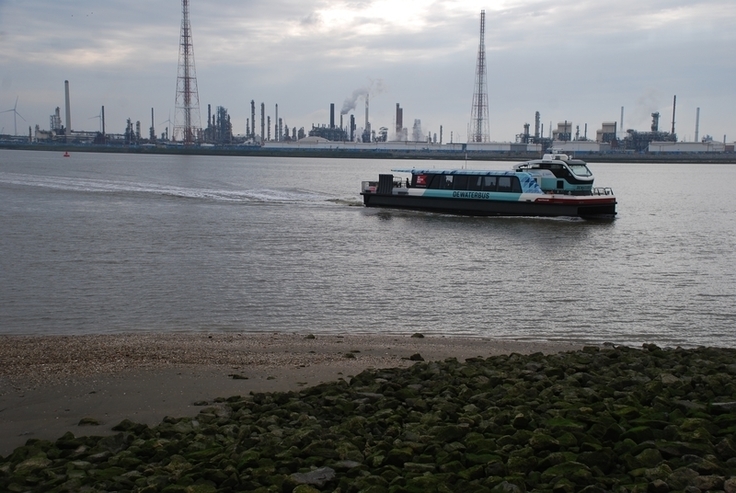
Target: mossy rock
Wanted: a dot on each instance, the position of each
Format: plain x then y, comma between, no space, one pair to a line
448,433
31,465
542,441
649,457
576,472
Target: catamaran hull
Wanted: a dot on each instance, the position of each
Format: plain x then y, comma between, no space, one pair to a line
584,207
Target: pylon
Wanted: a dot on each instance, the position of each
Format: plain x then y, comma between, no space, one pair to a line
479,131
186,117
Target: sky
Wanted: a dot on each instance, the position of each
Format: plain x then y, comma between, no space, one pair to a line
577,61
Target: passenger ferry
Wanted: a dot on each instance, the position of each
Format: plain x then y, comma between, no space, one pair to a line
556,185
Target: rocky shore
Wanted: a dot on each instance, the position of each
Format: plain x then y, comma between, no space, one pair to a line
48,384
596,419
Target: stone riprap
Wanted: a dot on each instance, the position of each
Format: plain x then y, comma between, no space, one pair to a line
599,419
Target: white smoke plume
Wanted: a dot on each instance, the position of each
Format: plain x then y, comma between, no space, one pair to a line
374,87
352,101
416,132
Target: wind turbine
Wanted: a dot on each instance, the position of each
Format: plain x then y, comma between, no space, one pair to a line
99,117
167,127
15,115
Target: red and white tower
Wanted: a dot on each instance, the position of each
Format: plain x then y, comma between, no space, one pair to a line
479,131
186,117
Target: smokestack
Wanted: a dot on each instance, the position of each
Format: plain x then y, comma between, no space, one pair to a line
252,119
398,121
263,119
276,122
332,115
697,123
674,105
622,119
367,125
68,109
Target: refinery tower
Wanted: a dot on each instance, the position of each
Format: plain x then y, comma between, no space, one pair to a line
479,131
186,117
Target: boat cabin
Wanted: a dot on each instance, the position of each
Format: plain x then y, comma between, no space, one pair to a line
474,180
560,173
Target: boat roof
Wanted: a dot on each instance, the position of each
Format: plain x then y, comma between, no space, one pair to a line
474,172
555,158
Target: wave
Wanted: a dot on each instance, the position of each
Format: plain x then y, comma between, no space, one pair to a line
88,185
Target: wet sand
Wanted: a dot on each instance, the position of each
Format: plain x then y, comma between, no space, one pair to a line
49,383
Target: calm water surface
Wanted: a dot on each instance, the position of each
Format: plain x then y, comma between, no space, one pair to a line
100,243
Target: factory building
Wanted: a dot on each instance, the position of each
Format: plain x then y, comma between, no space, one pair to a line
329,132
640,141
563,132
607,133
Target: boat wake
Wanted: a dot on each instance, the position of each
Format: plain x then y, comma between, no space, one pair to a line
347,201
87,185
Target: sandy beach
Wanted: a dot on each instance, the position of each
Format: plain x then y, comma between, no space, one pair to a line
48,384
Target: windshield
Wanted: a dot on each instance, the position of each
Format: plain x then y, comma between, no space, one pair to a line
580,169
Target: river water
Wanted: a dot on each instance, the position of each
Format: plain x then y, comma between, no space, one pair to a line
105,243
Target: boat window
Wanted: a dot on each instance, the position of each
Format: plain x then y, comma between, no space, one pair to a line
434,181
446,182
489,183
504,183
580,169
515,184
475,182
461,182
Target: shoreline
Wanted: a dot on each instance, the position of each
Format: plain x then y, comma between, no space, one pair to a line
48,384
369,153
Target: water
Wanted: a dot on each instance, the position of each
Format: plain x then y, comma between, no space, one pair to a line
104,243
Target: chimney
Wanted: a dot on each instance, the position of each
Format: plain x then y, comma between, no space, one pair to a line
332,115
68,109
674,105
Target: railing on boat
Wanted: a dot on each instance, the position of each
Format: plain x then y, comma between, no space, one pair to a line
602,191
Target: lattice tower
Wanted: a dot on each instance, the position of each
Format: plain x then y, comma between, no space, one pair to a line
186,119
479,131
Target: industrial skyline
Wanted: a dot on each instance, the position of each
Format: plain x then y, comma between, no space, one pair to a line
570,61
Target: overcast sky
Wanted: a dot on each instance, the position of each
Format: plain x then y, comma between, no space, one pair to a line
574,60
